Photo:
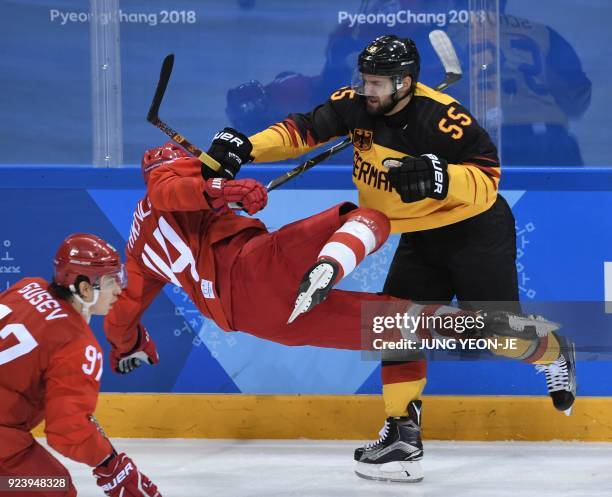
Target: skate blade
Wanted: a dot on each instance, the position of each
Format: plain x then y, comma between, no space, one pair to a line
304,301
396,472
536,324
300,307
544,328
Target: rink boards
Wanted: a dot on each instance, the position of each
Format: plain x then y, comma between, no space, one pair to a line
351,417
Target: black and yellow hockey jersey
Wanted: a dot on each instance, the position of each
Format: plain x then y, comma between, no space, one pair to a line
432,122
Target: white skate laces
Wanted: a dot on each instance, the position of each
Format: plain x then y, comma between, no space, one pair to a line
384,431
557,375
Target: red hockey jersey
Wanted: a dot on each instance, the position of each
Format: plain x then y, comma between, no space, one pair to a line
171,241
50,368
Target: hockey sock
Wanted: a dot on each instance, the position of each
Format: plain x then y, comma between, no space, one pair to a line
363,232
402,382
543,350
551,351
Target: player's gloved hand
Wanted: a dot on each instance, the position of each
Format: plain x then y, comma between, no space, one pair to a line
416,178
231,149
144,351
119,477
250,194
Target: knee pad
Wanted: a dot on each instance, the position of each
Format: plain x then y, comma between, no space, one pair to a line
376,221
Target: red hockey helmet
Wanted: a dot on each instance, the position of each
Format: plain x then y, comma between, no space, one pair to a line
156,156
87,255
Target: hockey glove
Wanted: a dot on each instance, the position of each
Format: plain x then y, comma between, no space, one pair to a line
416,178
231,149
143,351
119,477
250,194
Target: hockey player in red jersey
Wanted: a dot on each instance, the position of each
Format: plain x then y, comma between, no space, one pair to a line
184,233
245,278
50,369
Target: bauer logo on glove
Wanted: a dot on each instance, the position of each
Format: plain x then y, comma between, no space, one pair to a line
231,149
417,178
439,179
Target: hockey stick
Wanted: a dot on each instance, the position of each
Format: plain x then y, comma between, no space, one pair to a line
308,164
444,49
153,116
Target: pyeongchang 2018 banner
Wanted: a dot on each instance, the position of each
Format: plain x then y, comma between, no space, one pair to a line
249,63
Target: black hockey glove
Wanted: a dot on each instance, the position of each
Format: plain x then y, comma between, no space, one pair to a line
231,149
416,178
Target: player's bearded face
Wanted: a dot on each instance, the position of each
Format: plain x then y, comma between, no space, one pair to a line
377,106
378,92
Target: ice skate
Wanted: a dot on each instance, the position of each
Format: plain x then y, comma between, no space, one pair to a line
561,376
316,284
395,456
516,325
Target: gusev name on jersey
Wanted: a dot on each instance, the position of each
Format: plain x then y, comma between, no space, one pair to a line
50,368
432,122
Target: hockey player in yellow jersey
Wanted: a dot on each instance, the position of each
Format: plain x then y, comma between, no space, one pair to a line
422,159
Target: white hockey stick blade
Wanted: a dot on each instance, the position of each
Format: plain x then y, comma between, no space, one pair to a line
445,50
449,79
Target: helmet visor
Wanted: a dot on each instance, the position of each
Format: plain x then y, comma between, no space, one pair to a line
118,277
370,85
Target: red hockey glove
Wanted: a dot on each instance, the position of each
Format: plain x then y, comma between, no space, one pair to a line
119,477
251,194
143,351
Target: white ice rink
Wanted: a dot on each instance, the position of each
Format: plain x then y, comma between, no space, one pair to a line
256,468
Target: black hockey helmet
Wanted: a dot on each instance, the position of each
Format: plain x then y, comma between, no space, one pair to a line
391,56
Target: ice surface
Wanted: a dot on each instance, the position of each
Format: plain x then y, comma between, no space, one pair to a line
305,468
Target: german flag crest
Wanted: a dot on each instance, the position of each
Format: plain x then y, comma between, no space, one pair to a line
362,139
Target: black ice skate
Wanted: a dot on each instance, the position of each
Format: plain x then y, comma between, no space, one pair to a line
316,284
561,376
396,455
516,325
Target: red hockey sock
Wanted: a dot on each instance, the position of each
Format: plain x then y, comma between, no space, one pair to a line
363,232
